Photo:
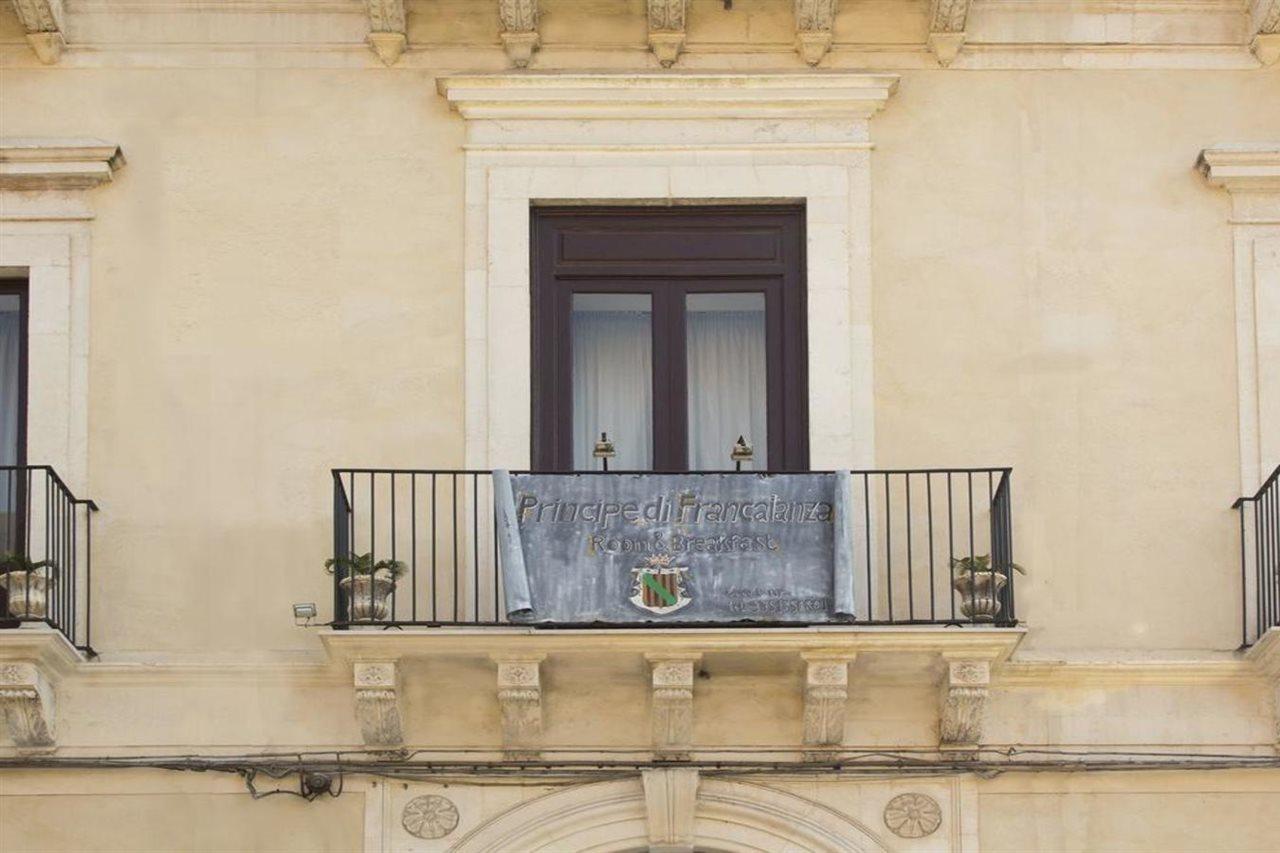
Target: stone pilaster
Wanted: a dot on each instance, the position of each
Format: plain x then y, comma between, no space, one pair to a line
671,800
387,33
520,698
377,686
666,29
826,694
965,687
815,28
671,707
519,29
26,698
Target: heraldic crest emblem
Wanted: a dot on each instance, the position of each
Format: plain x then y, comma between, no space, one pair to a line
659,587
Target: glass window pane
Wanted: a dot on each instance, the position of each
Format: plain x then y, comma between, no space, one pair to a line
612,346
10,355
725,351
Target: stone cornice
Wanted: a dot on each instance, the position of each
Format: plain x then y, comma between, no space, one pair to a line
1247,167
57,164
656,96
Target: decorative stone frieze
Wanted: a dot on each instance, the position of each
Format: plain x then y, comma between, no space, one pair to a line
671,706
948,20
42,19
826,692
815,26
966,685
519,29
1265,19
670,798
378,703
666,29
386,29
26,698
520,698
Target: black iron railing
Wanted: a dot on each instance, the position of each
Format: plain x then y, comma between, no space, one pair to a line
910,526
45,553
1260,559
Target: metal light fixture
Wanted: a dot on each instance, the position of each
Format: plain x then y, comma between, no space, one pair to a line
604,450
741,452
303,614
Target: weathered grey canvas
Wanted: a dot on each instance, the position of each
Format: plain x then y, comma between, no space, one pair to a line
674,547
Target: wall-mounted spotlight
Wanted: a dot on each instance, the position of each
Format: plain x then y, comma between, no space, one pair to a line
303,614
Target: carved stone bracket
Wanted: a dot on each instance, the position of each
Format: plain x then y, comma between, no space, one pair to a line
386,29
672,703
378,703
948,20
519,29
42,20
666,29
826,692
1265,19
815,26
26,698
671,799
965,688
520,698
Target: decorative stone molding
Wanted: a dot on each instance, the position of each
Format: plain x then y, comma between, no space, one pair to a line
1265,19
26,697
430,817
1264,655
671,707
42,20
671,800
948,20
57,164
913,815
815,26
519,29
964,701
520,698
377,703
1242,168
826,692
386,29
666,29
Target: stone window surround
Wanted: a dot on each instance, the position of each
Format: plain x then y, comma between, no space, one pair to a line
668,139
45,224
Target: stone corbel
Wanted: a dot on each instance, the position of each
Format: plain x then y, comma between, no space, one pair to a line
1265,19
672,703
815,26
386,29
947,22
965,687
378,703
26,698
826,694
671,800
42,20
666,29
519,29
520,698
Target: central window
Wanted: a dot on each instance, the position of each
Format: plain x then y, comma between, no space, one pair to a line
674,331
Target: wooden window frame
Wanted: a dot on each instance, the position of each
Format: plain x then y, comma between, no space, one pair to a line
668,282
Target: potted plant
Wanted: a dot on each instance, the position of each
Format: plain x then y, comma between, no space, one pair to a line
28,585
979,586
366,584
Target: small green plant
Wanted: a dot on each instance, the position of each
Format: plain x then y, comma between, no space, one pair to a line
979,564
354,565
22,563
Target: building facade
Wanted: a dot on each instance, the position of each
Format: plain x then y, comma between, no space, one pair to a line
983,286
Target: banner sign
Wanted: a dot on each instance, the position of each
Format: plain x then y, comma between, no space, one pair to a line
617,548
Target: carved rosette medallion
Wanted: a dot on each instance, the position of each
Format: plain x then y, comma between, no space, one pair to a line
430,816
913,815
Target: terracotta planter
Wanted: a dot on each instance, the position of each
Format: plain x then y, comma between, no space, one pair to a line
28,593
980,594
368,597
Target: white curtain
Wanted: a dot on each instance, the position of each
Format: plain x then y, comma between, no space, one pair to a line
727,387
613,387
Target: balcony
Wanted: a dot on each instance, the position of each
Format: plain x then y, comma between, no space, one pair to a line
902,543
45,554
1260,560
